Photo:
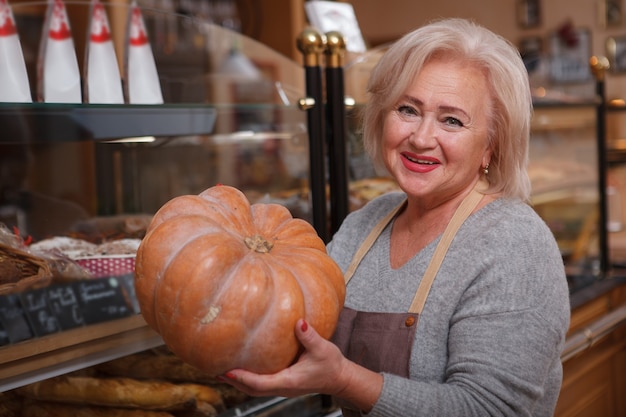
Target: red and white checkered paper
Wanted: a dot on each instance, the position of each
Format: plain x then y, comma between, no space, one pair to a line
108,266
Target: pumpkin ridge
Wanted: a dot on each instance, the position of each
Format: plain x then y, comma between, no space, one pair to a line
177,268
268,218
297,232
232,205
249,321
280,323
159,258
198,350
274,219
315,277
185,206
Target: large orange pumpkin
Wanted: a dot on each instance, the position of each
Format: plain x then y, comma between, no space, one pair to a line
224,282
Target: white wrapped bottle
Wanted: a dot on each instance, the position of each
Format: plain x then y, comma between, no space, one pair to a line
142,78
58,67
14,86
102,73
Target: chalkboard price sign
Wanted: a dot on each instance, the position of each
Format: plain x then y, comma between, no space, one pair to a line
13,319
102,299
63,303
59,307
41,319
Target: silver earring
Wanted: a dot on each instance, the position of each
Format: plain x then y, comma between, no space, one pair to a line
486,169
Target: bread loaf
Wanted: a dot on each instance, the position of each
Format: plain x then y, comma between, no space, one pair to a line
206,394
112,392
49,409
147,365
166,366
231,395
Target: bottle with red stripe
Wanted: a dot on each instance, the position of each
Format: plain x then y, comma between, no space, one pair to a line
103,83
58,73
14,86
141,75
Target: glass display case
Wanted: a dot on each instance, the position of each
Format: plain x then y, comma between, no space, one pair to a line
95,173
565,181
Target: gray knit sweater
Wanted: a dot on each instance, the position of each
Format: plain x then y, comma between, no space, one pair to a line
490,336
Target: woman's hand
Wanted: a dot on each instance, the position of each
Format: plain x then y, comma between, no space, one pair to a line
321,368
316,370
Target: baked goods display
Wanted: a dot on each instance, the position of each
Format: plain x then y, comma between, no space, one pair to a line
95,260
153,383
60,259
365,190
360,192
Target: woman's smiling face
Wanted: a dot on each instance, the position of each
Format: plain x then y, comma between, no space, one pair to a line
435,139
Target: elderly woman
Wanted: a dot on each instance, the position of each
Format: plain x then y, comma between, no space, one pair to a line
457,302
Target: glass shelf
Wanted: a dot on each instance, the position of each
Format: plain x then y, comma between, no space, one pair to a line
41,122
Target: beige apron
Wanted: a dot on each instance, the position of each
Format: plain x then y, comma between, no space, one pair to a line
382,342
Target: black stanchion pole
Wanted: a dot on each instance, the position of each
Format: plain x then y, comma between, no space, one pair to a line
599,65
336,116
311,44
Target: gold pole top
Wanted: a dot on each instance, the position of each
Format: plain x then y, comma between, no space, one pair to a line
599,65
335,49
311,44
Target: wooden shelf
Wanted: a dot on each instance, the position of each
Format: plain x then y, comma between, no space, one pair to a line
45,357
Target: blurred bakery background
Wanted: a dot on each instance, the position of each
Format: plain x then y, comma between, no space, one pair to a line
81,177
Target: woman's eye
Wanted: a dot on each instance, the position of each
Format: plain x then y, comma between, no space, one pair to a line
406,110
453,121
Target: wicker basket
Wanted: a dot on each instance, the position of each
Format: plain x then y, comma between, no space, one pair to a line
19,270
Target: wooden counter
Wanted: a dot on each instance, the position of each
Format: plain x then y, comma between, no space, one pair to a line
594,358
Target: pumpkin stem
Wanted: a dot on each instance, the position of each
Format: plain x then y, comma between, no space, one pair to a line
258,244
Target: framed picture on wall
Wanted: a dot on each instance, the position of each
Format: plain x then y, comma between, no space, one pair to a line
616,52
528,13
610,13
569,55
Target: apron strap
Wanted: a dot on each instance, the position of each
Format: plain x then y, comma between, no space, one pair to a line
462,212
468,205
369,241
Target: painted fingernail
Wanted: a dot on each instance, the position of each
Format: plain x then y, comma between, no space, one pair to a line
230,375
304,326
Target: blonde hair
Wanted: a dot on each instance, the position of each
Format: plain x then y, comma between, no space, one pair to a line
465,41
